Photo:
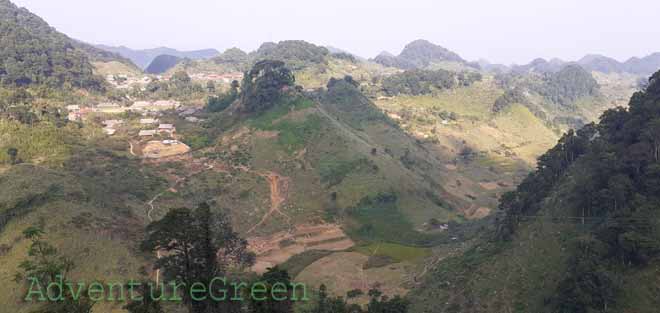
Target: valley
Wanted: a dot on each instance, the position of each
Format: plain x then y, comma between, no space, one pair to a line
422,176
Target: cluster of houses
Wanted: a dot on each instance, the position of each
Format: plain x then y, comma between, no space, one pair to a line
168,129
123,81
76,112
110,127
226,78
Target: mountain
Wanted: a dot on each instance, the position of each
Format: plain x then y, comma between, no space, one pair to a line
645,65
297,54
419,54
579,234
595,62
422,53
387,59
162,64
32,52
540,65
144,57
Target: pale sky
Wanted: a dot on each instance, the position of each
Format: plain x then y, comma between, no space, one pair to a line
502,31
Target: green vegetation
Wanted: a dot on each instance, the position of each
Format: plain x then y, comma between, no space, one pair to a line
42,142
299,262
396,252
33,53
590,209
266,120
196,241
380,220
333,171
263,85
421,82
568,85
297,54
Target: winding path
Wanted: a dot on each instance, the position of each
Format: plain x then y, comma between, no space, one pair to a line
279,187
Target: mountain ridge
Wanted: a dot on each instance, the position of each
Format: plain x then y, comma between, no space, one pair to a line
143,57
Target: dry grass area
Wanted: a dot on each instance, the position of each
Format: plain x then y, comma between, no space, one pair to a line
344,271
279,247
157,149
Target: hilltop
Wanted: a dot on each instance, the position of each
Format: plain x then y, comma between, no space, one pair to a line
162,64
419,54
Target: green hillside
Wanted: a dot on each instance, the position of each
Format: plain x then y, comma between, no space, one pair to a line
580,234
33,53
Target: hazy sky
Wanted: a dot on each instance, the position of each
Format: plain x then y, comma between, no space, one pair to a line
503,31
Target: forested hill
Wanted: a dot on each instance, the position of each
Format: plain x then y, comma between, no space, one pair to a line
32,52
580,234
419,54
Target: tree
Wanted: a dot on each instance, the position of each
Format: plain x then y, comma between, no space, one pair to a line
274,279
181,79
652,134
45,265
44,261
13,155
199,245
263,85
147,304
210,86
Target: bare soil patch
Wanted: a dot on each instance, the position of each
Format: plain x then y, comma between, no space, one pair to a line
158,149
279,247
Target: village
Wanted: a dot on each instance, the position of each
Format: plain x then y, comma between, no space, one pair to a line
128,81
148,136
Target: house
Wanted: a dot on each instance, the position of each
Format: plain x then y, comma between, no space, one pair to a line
170,142
107,105
167,104
73,107
74,116
140,105
187,112
110,108
112,123
166,128
192,119
146,133
148,121
109,131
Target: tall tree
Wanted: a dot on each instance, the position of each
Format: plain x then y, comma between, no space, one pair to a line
198,245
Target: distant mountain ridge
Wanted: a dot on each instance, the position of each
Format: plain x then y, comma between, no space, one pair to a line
144,57
592,62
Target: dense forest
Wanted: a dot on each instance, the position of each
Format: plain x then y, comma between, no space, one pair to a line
608,175
33,53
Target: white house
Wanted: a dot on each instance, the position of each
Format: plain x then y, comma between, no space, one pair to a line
146,133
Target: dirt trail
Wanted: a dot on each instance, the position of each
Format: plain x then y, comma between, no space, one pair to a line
279,187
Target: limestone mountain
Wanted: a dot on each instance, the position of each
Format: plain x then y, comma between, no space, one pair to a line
162,64
419,54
